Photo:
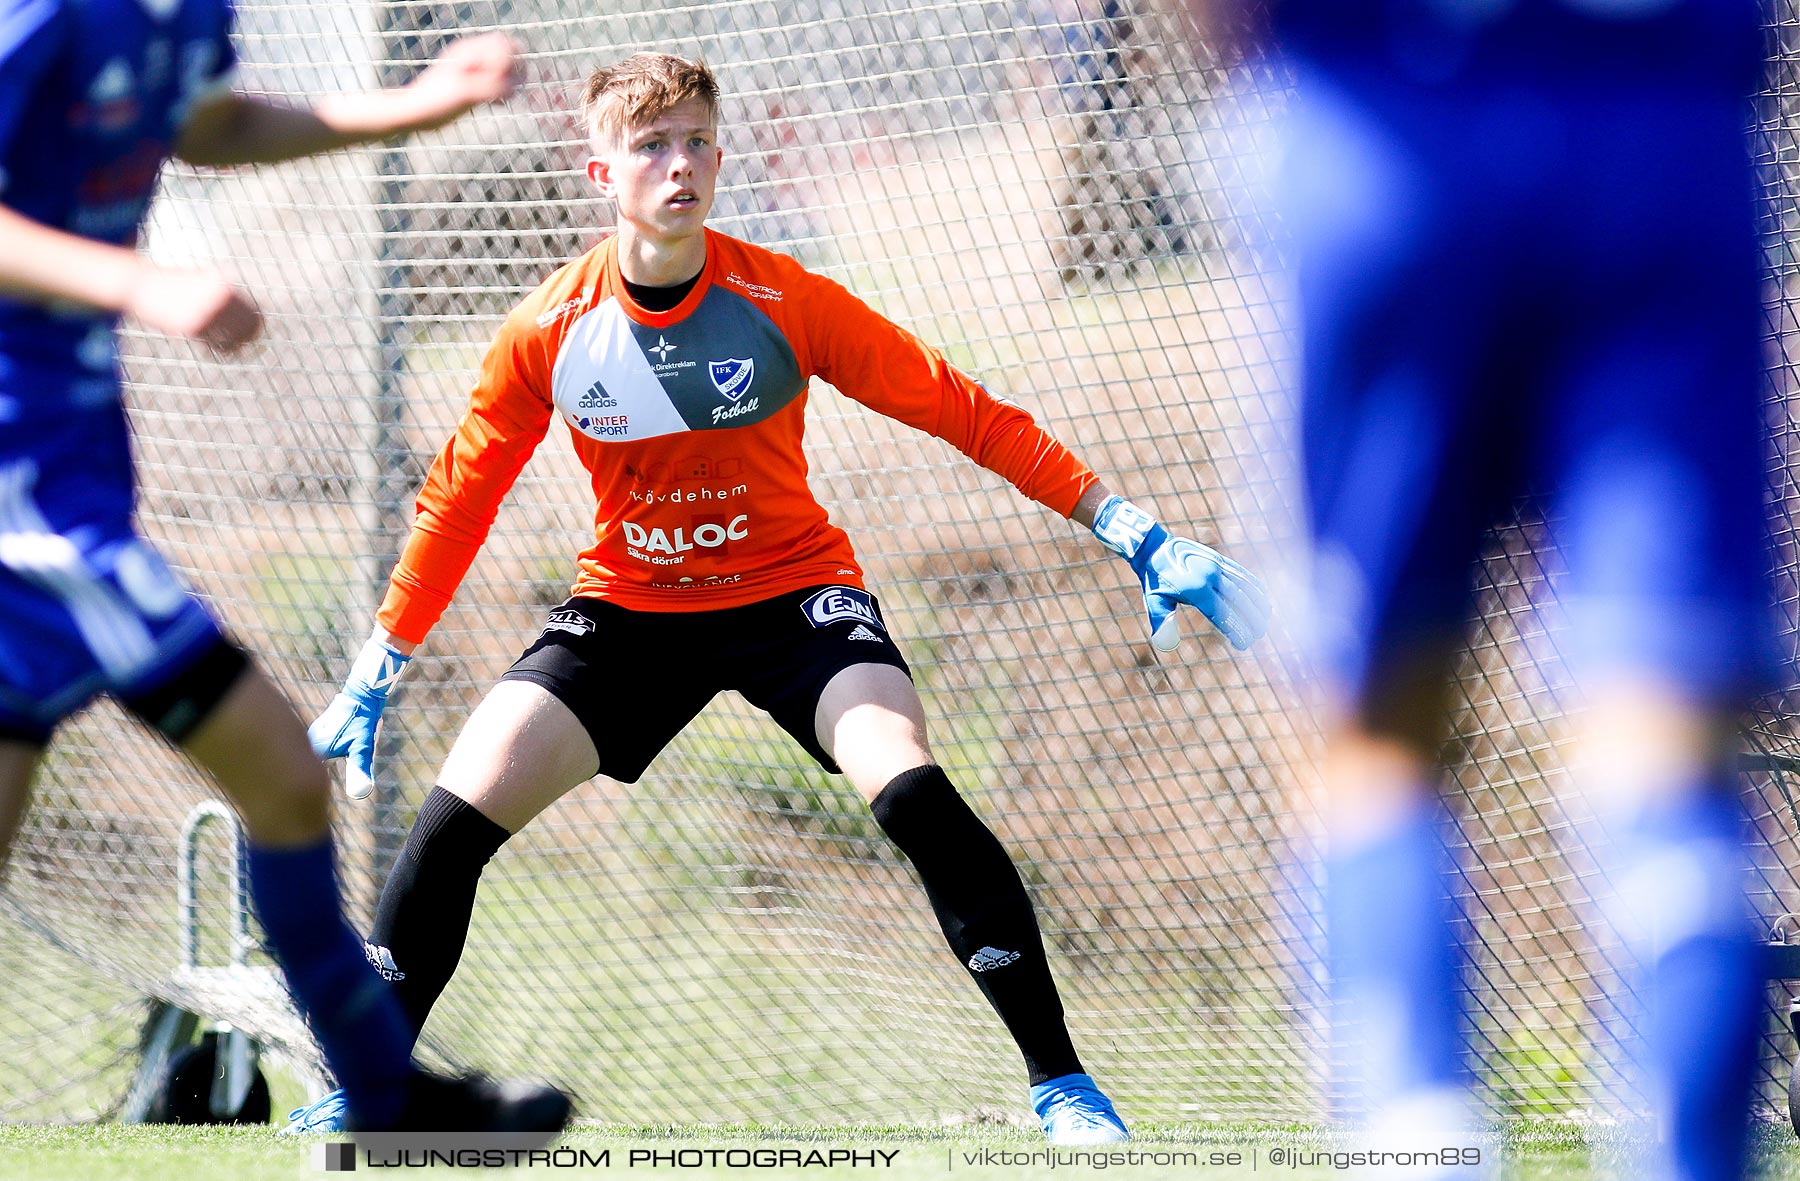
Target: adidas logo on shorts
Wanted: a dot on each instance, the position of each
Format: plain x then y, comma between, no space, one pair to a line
861,632
989,958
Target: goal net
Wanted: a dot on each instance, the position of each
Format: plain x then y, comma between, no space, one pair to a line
1062,194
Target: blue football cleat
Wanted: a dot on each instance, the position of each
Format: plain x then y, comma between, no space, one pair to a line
1074,1111
327,1115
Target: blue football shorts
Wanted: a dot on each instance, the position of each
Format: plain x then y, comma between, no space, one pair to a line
1533,291
86,605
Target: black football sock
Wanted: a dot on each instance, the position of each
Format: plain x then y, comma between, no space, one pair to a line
984,911
422,920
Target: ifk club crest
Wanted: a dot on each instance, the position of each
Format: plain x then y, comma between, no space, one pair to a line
732,376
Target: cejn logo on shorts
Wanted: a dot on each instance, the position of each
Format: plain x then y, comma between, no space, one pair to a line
835,604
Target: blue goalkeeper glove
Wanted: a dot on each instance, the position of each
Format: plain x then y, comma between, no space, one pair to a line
349,724
1174,570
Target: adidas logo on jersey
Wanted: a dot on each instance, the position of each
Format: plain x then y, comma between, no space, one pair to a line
989,958
595,399
860,632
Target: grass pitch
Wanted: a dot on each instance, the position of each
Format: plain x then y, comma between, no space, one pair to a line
1528,1150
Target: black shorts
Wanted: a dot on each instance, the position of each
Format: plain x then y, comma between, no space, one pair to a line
635,679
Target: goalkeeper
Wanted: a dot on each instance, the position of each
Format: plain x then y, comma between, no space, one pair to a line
678,360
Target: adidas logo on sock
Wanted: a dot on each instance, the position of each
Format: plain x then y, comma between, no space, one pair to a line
861,632
382,960
989,958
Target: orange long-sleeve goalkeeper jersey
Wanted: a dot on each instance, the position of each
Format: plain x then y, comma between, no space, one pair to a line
690,422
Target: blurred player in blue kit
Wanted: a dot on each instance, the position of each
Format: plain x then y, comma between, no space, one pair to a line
1528,263
94,96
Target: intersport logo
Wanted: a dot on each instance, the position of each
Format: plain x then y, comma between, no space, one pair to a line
708,536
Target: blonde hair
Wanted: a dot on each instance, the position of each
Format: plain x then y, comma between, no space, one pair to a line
641,89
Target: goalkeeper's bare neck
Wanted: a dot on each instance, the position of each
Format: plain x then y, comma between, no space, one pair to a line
653,123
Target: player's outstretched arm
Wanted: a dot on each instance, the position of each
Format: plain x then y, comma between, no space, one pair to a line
348,727
45,265
509,411
1174,570
888,369
232,128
